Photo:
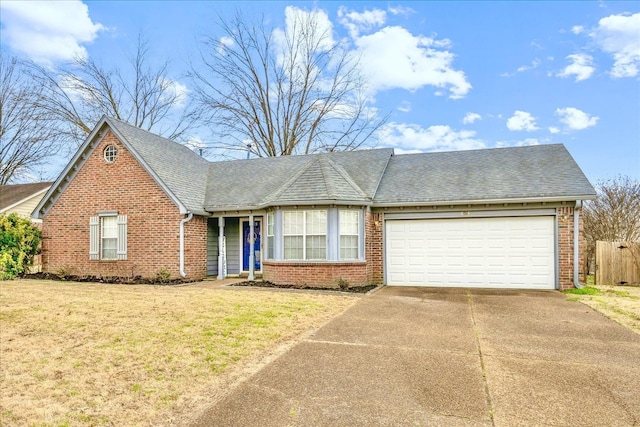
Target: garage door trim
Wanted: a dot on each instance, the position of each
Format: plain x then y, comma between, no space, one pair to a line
473,214
469,214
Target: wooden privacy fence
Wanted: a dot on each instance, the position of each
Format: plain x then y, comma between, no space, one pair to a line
617,263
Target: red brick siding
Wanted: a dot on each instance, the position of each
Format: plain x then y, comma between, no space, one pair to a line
153,227
328,274
321,274
374,253
565,247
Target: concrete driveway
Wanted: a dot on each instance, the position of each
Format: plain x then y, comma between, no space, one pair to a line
451,357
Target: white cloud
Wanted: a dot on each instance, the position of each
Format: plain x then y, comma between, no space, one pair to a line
534,64
405,107
48,31
413,137
519,143
357,22
225,43
177,89
295,21
577,29
195,143
575,119
400,10
554,130
522,120
581,67
619,35
396,59
471,117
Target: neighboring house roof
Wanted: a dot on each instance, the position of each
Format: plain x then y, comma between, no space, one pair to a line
373,177
14,194
499,174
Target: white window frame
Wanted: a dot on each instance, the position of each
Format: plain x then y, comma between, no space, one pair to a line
109,234
342,213
97,232
305,234
270,233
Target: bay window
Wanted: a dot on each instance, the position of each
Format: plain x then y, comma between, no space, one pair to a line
349,234
305,235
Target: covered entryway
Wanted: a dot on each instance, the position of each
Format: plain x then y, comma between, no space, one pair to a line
493,252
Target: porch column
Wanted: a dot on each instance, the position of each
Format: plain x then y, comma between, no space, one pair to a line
251,249
222,250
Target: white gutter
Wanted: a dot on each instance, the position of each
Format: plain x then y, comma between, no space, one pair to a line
182,222
576,245
482,201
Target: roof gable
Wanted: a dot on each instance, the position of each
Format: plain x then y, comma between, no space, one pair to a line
338,177
321,180
175,168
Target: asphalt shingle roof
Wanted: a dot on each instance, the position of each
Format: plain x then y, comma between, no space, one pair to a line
541,171
367,177
180,169
329,177
13,193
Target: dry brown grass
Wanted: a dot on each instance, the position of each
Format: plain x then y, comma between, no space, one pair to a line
620,303
90,354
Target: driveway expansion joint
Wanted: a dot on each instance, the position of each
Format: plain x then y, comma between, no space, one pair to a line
482,366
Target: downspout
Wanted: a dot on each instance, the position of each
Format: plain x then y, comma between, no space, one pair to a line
182,222
576,245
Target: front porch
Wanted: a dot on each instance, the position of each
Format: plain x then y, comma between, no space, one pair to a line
234,247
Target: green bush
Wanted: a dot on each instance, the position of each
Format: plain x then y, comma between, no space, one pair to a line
19,243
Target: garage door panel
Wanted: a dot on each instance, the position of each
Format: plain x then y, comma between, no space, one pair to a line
512,252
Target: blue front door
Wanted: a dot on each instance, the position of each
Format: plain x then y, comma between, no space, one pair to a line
246,242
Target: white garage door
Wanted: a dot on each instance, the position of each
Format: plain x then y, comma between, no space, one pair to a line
505,252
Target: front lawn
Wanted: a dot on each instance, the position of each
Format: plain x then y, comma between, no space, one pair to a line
620,303
95,354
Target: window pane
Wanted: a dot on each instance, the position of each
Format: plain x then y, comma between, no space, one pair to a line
109,248
109,227
348,247
292,247
349,222
270,224
316,222
317,247
270,240
293,222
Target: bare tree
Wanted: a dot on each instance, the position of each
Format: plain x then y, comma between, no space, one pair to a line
613,216
29,134
142,95
287,92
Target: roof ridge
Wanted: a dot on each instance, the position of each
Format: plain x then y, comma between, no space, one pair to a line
343,173
329,182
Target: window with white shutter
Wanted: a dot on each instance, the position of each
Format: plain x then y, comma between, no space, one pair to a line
108,237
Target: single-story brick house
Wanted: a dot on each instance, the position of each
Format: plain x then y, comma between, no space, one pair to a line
132,203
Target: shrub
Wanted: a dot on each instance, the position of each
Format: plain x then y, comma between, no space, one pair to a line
19,243
163,275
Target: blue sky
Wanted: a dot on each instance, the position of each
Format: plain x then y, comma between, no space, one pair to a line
451,75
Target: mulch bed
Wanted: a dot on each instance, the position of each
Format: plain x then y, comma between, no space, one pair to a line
136,280
266,284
